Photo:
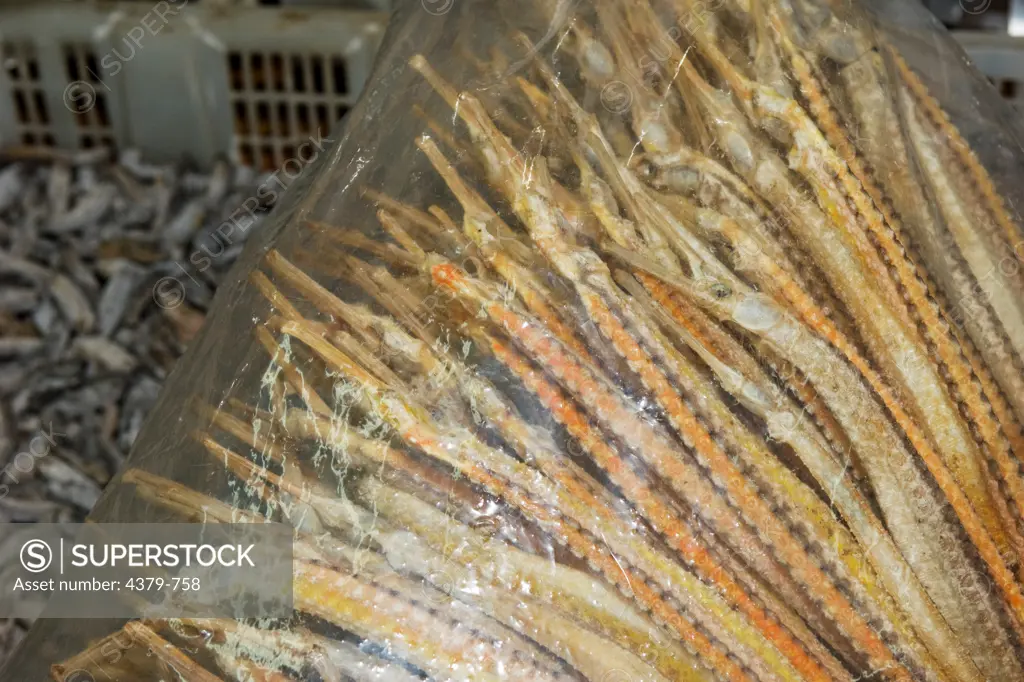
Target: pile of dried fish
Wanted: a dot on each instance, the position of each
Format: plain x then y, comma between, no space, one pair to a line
679,390
106,271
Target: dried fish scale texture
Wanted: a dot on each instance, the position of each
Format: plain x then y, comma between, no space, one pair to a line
647,340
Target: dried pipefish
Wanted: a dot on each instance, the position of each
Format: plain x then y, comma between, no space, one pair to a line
499,415
371,328
512,646
892,343
421,219
340,337
508,648
204,509
768,63
292,374
798,503
636,585
398,233
397,300
350,238
692,431
770,276
930,314
745,544
741,376
511,654
475,116
86,659
974,327
521,280
308,287
805,307
418,433
767,173
544,107
504,104
537,448
380,613
653,122
621,185
569,589
440,132
726,194
956,218
572,209
256,438
649,502
521,644
344,661
376,614
377,456
198,506
462,575
726,356
347,343
246,652
321,505
308,506
718,189
923,112
540,223
777,279
961,217
481,224
572,591
875,110
833,381
597,65
280,303
595,276
1011,427
613,413
404,294
990,286
185,501
336,513
549,628
990,196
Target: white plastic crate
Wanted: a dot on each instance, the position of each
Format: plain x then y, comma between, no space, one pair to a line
180,80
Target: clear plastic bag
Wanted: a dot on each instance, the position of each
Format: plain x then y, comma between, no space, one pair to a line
620,340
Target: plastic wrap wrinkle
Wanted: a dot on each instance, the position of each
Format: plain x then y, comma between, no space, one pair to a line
619,340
